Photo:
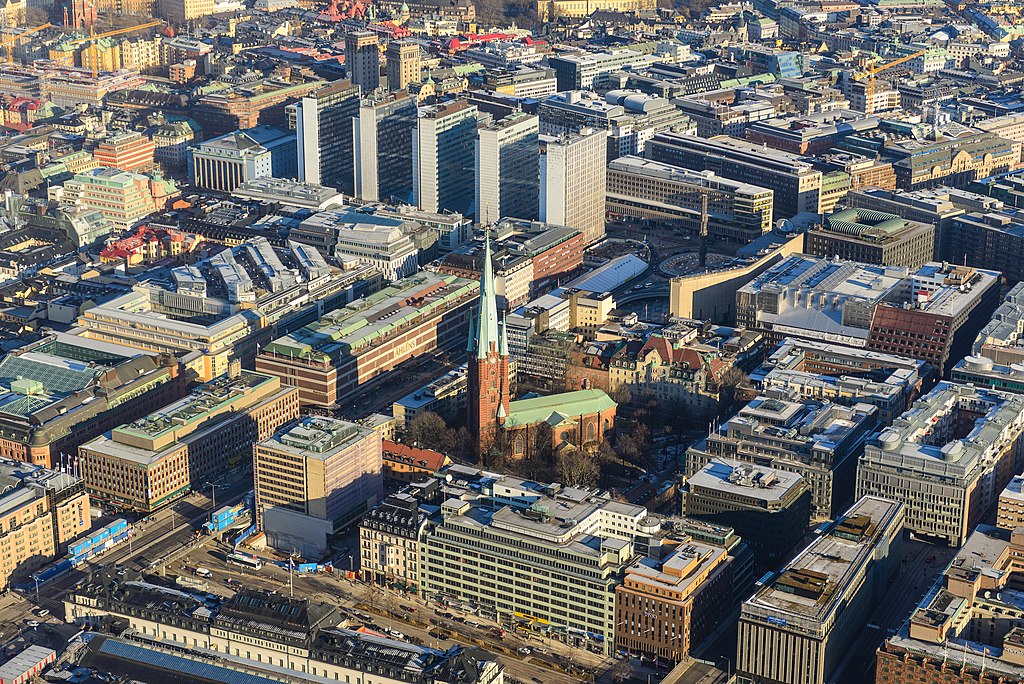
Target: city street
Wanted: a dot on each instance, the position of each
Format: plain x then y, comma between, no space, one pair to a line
388,610
920,566
170,533
166,531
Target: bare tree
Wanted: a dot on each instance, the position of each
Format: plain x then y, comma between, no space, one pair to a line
627,447
621,395
429,431
577,469
734,388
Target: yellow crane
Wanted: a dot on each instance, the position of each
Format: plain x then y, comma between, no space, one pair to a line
9,41
93,37
873,71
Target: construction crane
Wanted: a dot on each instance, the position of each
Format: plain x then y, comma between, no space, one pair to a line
10,41
93,37
873,71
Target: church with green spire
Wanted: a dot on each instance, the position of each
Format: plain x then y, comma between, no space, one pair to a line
575,420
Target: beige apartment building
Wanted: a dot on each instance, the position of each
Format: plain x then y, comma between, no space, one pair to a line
41,510
573,181
1010,509
180,11
152,461
312,478
641,188
947,458
266,636
403,64
389,541
588,311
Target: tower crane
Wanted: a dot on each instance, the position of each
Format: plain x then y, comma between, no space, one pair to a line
10,41
873,71
93,37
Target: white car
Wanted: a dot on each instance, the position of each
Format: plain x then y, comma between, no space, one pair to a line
33,623
396,634
524,650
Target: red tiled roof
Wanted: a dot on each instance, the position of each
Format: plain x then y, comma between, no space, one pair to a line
403,453
691,358
659,344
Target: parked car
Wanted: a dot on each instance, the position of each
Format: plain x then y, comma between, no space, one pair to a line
524,650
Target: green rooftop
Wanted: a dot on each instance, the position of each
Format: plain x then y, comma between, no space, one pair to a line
556,408
866,224
369,320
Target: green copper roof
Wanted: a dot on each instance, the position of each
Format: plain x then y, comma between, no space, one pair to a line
557,407
486,332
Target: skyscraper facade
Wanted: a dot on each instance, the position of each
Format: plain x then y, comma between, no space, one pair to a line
383,147
403,64
507,169
573,181
362,59
443,158
323,124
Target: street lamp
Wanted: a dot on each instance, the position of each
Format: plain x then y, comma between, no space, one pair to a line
213,493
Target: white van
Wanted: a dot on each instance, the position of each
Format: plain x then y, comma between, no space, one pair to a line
203,572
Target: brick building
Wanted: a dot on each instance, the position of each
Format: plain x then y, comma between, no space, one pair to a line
664,609
488,387
949,305
330,359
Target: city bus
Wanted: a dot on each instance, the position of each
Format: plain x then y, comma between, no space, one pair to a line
245,561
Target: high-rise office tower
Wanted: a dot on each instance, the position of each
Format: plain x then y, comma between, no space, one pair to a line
362,59
443,158
572,181
323,124
507,169
383,146
403,63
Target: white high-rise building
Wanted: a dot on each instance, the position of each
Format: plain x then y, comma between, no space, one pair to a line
443,158
507,169
573,181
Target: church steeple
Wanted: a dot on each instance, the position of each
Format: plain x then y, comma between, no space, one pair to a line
488,361
486,330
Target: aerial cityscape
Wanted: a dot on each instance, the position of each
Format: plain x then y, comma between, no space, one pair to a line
512,341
